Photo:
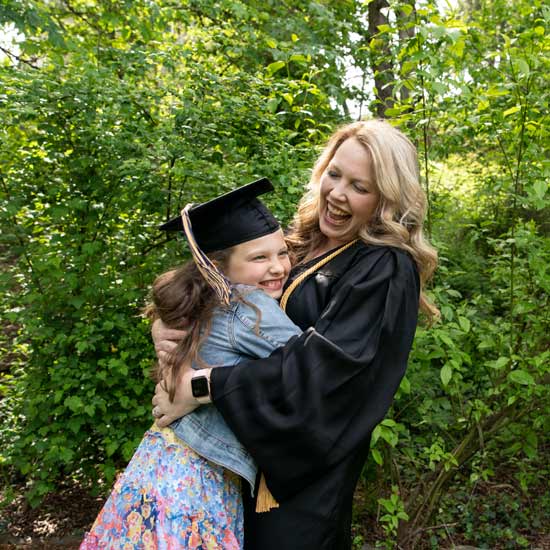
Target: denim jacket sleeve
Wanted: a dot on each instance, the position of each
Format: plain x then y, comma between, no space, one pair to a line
259,339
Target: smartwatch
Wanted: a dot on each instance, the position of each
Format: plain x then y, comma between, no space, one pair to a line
200,386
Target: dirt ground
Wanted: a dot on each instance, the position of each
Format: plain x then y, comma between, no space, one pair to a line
58,523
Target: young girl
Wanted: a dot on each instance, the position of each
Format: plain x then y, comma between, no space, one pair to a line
182,487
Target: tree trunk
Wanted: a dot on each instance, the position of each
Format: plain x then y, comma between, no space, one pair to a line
406,31
382,65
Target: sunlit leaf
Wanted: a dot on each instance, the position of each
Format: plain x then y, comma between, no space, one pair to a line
511,111
272,68
377,457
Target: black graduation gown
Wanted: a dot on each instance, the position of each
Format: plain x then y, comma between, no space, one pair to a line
306,413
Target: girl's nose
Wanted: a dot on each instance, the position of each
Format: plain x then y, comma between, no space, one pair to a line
276,266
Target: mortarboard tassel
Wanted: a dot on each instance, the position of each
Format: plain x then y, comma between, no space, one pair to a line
213,276
265,500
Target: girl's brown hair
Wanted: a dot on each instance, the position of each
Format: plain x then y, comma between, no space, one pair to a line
182,299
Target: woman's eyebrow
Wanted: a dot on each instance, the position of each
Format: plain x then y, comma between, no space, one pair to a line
335,166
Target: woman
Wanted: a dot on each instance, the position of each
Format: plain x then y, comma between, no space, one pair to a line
307,412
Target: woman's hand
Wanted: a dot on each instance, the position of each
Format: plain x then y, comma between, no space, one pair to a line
165,340
166,412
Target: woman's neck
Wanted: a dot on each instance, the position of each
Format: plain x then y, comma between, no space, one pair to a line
322,248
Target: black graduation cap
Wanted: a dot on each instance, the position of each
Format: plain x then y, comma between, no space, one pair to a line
230,219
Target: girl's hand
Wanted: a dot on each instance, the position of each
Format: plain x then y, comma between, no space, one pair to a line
184,402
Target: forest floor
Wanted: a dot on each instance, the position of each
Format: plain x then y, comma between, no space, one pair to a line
61,520
58,523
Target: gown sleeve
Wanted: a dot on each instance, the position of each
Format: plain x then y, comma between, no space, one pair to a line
317,399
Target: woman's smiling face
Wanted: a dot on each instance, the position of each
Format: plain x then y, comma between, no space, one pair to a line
348,197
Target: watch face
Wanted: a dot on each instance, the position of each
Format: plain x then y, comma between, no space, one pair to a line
199,386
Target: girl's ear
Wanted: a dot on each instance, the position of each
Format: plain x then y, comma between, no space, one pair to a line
220,258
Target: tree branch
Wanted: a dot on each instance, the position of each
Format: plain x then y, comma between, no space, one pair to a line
19,58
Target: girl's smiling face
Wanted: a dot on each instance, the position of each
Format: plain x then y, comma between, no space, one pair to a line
262,262
348,196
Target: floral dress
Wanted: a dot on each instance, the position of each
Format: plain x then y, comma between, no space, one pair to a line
169,498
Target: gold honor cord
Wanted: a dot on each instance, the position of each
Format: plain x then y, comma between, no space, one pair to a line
308,272
213,276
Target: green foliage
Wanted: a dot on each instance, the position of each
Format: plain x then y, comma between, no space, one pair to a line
473,89
114,117
116,114
393,512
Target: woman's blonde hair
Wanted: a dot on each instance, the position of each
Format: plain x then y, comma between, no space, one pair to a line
402,204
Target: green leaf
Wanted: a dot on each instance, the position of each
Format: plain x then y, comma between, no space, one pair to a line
272,68
288,98
111,447
446,374
375,435
75,423
74,403
389,435
500,363
540,187
377,457
407,66
446,339
522,66
483,105
439,87
387,504
521,377
405,386
511,111
272,104
389,422
298,57
464,323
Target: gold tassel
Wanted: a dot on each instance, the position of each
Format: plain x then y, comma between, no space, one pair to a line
265,500
213,276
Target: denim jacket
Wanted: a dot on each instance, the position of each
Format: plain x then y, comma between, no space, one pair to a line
232,338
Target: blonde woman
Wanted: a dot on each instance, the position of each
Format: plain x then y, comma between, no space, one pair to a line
307,412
